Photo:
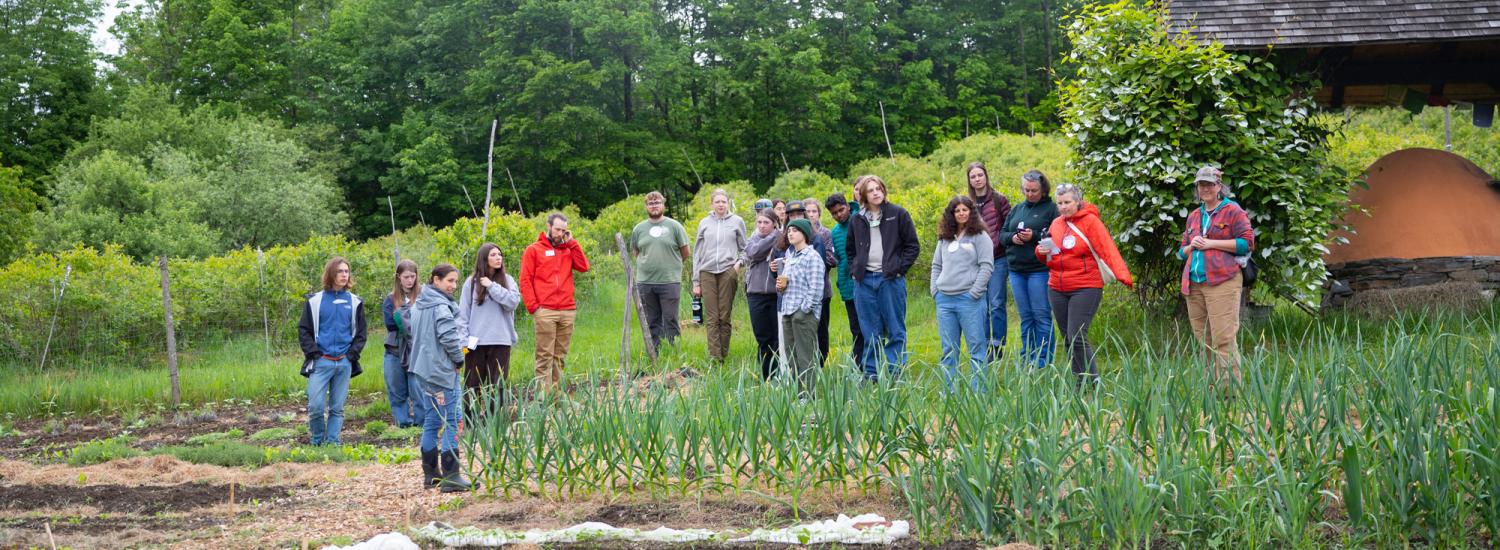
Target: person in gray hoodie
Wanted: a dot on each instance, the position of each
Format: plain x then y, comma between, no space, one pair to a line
718,256
436,354
961,268
487,320
760,288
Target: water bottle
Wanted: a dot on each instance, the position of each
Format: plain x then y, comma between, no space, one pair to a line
698,309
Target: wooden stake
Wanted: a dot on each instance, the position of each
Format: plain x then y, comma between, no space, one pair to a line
690,165
888,149
56,310
50,540
489,181
634,298
265,310
519,206
166,303
395,246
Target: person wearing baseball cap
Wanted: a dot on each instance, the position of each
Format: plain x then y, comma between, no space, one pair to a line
1218,236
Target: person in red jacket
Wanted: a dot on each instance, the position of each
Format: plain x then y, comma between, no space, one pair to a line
1077,245
547,268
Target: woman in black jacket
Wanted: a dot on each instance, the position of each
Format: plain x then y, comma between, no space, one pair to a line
882,246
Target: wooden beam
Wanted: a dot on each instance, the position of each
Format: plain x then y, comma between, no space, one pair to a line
1416,72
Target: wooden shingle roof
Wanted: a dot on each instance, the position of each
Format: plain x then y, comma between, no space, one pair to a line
1249,24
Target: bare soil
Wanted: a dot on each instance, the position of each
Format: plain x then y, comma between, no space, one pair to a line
163,502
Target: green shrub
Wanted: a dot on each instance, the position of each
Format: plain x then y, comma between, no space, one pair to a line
216,437
218,453
102,450
401,434
1149,106
273,434
374,428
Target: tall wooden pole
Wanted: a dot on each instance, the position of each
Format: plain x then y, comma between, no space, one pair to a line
166,305
489,181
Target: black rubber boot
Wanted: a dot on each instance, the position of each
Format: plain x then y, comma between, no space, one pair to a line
429,468
453,480
996,353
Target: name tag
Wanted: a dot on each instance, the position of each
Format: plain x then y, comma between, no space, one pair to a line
550,253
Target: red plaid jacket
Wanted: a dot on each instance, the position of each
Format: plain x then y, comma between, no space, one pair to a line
1228,222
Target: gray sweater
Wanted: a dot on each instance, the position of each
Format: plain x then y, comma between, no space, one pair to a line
758,253
720,244
494,323
963,264
436,349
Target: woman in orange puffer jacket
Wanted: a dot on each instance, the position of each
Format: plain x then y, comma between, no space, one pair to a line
1076,242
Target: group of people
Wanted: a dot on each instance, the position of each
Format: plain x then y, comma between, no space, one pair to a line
445,357
1051,249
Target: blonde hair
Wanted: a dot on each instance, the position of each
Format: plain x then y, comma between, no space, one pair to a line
864,181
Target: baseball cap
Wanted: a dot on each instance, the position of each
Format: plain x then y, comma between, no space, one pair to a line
1209,173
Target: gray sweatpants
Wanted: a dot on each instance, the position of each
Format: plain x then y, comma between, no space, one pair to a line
1074,312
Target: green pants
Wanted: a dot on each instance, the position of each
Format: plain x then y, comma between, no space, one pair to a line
803,358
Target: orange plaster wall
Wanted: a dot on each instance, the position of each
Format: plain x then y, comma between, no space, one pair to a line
1422,203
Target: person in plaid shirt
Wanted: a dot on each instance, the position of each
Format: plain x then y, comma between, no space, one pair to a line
801,287
1218,235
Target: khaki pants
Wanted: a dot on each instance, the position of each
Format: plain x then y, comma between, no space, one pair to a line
802,349
718,308
1214,312
554,332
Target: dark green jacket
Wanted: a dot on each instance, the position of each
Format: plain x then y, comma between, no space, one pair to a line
1037,217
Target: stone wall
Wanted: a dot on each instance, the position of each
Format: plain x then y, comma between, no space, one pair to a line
1348,279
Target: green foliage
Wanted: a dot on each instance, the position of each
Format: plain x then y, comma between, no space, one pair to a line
596,96
273,434
1368,134
374,428
216,437
401,434
102,450
1148,108
48,78
158,181
230,454
17,202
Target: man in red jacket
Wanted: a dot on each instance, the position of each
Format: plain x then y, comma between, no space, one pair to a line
547,268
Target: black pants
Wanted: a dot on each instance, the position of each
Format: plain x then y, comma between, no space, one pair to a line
763,324
858,351
485,370
660,304
1074,312
823,331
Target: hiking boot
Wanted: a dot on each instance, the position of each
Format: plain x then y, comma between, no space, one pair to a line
430,468
453,480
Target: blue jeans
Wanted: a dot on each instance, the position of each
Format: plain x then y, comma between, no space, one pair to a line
327,389
402,393
999,323
443,417
882,317
962,315
1036,316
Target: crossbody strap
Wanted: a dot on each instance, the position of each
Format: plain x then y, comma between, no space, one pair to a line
1086,242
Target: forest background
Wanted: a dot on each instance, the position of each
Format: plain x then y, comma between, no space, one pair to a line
190,140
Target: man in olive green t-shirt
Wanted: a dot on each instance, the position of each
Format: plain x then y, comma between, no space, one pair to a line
659,245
